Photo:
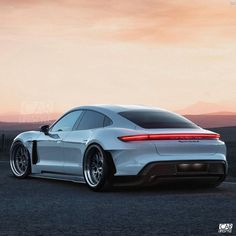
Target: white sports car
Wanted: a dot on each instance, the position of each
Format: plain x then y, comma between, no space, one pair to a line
107,144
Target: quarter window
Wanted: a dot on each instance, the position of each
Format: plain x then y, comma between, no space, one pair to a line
107,121
91,120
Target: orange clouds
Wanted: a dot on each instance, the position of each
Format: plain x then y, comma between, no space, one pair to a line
106,51
145,21
174,22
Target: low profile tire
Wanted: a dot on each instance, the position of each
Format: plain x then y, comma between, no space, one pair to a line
20,160
97,169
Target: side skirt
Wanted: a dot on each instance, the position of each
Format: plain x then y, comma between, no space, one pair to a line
56,176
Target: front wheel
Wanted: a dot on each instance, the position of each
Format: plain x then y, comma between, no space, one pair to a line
96,169
20,160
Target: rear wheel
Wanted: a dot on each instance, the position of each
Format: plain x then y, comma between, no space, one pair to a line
20,160
96,168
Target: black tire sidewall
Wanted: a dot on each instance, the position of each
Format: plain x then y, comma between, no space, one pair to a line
12,151
106,179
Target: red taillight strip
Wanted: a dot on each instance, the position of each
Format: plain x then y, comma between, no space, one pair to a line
179,136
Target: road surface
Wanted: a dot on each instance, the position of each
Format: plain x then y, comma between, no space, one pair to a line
48,207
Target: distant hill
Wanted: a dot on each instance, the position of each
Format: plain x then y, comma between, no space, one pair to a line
211,121
220,113
17,126
28,118
224,108
228,134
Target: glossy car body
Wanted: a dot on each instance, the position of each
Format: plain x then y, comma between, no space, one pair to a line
137,154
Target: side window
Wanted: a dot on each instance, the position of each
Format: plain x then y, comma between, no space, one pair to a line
67,122
107,121
91,120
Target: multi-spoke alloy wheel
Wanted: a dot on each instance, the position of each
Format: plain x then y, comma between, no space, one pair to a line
19,160
96,169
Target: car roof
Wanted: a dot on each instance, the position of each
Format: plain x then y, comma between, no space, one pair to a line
116,108
112,112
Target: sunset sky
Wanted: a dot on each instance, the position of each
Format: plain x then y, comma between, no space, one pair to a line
55,55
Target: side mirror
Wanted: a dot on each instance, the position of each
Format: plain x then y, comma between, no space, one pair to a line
44,129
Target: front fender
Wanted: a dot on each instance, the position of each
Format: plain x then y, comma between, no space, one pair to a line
26,138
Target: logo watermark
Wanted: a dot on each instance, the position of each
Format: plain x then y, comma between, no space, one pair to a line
225,228
36,111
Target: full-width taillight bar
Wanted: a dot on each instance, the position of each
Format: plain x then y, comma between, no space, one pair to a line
179,136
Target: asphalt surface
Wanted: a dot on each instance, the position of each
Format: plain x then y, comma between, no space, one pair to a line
48,207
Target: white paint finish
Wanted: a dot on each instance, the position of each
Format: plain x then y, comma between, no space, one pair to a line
50,152
74,145
65,154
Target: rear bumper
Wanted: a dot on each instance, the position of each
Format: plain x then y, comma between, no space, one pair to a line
200,171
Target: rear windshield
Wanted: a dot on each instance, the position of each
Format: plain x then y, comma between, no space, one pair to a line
157,119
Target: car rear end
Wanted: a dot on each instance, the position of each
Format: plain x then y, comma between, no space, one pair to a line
167,147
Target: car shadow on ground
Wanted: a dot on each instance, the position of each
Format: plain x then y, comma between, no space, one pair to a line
157,189
168,189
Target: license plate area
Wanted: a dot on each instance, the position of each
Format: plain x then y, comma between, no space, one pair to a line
192,167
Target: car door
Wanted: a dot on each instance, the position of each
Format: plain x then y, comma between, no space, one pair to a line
75,142
50,146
